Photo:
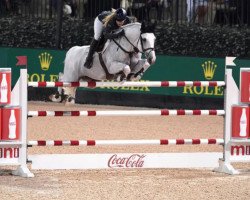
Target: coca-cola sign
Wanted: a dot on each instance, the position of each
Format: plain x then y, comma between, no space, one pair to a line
130,161
9,152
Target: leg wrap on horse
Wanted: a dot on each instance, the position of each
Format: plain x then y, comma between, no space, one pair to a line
140,72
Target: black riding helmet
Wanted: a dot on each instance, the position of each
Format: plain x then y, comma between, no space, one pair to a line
121,14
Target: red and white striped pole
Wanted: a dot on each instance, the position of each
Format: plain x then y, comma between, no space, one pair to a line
163,112
92,84
125,142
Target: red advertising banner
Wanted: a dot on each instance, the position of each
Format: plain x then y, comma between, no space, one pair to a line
5,86
10,123
240,122
245,86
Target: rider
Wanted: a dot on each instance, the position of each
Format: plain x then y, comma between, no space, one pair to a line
105,23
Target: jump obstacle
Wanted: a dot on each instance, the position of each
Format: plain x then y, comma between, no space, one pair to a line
92,84
125,142
92,113
222,161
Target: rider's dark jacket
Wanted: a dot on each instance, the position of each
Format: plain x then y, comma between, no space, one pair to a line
108,31
104,14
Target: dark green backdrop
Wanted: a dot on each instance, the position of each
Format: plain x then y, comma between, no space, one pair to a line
171,68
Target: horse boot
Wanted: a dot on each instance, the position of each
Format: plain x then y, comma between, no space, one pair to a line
92,49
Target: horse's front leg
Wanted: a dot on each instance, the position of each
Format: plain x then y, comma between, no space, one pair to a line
138,69
119,67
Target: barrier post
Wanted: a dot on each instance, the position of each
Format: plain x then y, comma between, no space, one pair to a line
231,97
23,170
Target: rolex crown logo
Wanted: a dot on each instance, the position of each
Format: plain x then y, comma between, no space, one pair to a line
209,69
45,60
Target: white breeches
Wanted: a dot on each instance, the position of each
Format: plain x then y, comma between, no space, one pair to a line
98,28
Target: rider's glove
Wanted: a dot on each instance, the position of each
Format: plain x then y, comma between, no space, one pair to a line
121,33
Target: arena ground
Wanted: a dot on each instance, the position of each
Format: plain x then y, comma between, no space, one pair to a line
127,183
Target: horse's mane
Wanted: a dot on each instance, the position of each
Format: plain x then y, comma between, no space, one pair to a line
145,28
132,30
136,24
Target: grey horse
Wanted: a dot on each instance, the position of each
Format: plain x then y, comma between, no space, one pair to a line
120,60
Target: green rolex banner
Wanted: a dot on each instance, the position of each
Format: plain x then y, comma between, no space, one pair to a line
45,65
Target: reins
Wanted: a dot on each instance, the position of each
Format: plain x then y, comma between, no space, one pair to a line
136,50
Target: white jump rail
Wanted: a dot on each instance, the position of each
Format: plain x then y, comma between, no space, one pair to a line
92,113
215,141
92,84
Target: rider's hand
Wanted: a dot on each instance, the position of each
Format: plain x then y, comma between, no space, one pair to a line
119,33
122,32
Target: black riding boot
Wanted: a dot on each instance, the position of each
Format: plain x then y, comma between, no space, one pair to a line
92,50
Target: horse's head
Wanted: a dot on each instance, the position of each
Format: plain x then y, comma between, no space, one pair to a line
148,42
139,39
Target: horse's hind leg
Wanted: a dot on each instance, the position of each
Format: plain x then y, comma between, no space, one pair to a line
69,95
58,96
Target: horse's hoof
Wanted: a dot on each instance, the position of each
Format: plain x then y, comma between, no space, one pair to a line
121,78
130,76
69,101
134,78
55,98
138,76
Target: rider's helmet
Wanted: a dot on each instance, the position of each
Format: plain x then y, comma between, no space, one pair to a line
121,14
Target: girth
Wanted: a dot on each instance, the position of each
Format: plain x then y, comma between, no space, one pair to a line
108,75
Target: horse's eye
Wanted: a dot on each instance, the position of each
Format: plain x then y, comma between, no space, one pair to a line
144,39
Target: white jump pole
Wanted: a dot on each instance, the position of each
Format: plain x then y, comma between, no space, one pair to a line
93,84
23,170
231,97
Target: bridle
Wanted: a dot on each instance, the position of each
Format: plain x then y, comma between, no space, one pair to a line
135,48
145,50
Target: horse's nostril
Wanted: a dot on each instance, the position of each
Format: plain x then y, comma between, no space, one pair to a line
150,60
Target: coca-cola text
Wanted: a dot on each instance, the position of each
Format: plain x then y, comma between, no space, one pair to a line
132,161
